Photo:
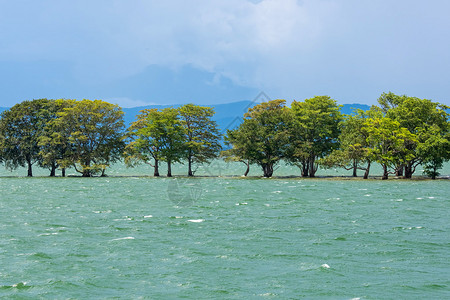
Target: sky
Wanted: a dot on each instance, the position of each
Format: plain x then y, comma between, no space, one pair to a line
140,52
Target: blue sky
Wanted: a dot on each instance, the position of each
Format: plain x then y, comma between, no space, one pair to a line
135,53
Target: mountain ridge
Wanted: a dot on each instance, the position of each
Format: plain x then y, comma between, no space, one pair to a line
227,115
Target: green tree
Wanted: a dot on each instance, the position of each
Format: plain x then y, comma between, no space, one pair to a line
314,132
389,143
156,135
262,138
389,101
353,151
94,131
202,137
53,142
420,117
21,126
435,150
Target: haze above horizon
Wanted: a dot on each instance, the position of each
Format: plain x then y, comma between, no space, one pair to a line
221,51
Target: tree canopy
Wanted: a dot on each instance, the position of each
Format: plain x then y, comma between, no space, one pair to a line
400,134
262,138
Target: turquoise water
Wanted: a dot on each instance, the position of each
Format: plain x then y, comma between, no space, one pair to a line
223,238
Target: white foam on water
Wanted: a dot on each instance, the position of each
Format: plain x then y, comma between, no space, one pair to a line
430,197
267,204
47,234
149,216
325,266
178,217
196,221
124,238
420,198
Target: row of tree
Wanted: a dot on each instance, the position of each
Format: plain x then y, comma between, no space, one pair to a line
90,135
400,134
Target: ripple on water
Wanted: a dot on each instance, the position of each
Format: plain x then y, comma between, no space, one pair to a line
278,245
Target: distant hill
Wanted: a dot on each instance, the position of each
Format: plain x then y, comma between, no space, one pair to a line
228,115
349,109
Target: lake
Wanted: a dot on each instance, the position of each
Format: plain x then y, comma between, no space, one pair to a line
219,237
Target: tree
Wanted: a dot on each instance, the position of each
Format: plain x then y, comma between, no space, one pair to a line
202,137
240,141
53,142
94,131
262,137
423,118
21,126
389,101
389,143
353,151
314,132
156,135
435,150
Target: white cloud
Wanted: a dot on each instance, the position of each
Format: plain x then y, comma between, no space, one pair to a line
119,38
285,47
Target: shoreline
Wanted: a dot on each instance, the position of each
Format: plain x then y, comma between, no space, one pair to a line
288,177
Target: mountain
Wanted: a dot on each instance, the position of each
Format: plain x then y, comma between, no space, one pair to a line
349,109
228,115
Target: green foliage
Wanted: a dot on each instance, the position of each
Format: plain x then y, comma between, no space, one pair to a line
401,134
202,137
435,150
20,129
389,144
91,132
314,132
353,152
420,117
53,142
262,137
156,135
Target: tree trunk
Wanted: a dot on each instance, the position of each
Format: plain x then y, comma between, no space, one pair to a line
366,174
399,170
30,169
156,168
53,170
433,176
86,169
247,170
63,172
408,171
305,169
267,170
355,168
190,174
385,172
312,168
169,168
